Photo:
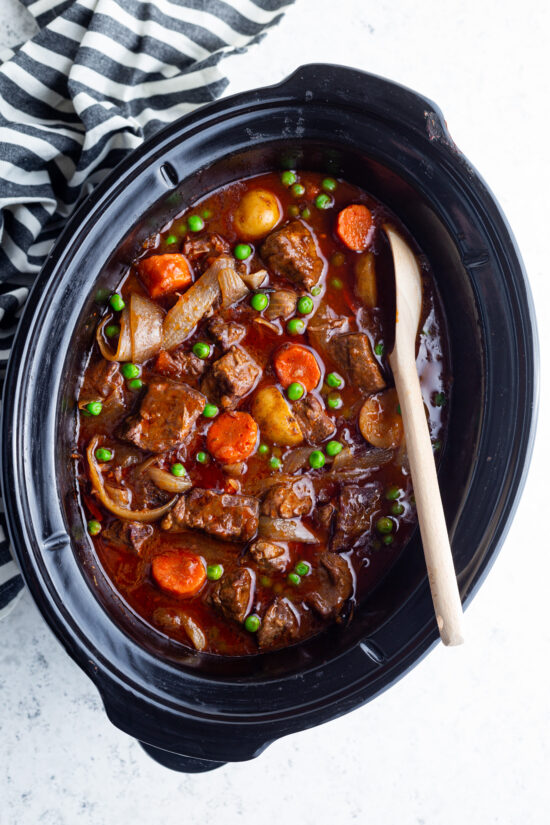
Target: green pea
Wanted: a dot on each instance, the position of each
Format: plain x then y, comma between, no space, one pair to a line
117,302
334,401
333,448
388,539
334,380
242,251
135,384
275,462
94,527
298,190
384,525
294,578
130,370
214,572
316,459
103,454
288,178
210,411
306,213
263,449
316,290
252,623
302,568
195,223
296,326
293,210
295,391
305,305
440,399
329,184
201,457
201,349
178,470
265,581
397,509
259,301
112,330
337,283
338,259
323,201
170,240
94,407
398,409
206,214
393,493
379,348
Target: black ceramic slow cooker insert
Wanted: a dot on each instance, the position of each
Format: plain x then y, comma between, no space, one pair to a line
190,710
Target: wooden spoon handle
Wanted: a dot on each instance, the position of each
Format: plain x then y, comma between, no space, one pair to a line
433,528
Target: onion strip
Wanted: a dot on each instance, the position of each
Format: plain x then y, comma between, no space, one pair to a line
164,480
124,344
109,504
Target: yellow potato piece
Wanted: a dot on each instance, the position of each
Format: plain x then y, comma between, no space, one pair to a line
257,214
379,420
275,418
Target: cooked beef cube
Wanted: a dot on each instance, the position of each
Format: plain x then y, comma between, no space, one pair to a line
335,585
314,422
289,500
291,252
270,557
353,352
279,625
282,304
323,516
166,416
104,380
356,506
203,250
131,533
179,364
233,594
230,378
225,333
233,518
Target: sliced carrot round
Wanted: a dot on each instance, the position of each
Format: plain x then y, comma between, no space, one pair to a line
353,226
232,437
294,362
179,573
380,420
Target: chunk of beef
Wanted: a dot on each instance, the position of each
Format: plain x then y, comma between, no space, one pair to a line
166,416
230,378
233,594
323,515
335,585
233,518
353,352
179,364
356,506
289,500
282,304
270,557
202,251
291,252
134,534
314,422
279,625
104,380
225,333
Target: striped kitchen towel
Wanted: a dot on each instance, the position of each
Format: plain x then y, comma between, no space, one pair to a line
98,78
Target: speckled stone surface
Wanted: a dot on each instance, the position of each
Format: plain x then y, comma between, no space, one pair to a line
464,738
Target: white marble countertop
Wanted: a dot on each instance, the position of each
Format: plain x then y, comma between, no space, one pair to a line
464,738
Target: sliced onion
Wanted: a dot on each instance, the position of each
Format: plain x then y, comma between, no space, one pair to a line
282,304
164,480
124,344
112,506
272,327
296,459
196,636
365,279
232,287
146,319
193,305
254,280
361,461
285,529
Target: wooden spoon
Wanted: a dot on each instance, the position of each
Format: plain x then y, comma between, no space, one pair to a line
433,529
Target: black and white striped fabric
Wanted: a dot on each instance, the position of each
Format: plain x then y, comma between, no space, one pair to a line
98,78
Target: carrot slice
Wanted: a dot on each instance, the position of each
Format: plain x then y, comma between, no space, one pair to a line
380,420
353,226
163,274
181,574
232,437
296,363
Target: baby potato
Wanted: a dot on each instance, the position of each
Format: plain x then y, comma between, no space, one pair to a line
380,421
275,418
257,214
